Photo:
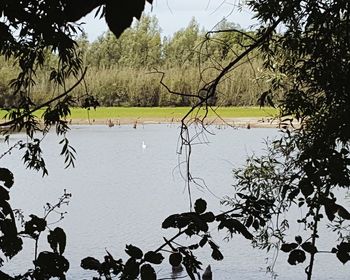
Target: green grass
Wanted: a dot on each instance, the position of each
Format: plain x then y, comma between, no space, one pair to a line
162,112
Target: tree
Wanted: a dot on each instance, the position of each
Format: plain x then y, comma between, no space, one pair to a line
180,49
144,47
309,64
308,166
308,61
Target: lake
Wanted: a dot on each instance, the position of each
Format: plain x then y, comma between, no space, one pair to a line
122,192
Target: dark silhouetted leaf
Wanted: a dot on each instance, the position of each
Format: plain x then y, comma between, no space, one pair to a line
34,226
175,259
330,209
256,224
153,257
308,247
119,14
298,239
306,187
191,264
131,269
343,213
57,240
148,273
7,177
343,250
51,264
200,206
262,98
90,263
10,244
287,247
343,256
170,221
203,241
193,247
270,101
216,255
177,220
249,221
234,225
208,217
4,194
292,195
296,256
344,246
134,251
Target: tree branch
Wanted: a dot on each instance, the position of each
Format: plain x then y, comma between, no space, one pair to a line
11,122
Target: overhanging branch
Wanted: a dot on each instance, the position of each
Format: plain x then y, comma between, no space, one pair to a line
11,122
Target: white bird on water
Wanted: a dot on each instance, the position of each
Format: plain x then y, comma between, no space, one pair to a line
144,146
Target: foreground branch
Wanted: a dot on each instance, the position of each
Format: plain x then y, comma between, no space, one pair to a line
26,114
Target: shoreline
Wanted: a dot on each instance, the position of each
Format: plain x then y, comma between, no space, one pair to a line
246,122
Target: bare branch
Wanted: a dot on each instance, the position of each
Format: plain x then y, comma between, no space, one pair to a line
11,122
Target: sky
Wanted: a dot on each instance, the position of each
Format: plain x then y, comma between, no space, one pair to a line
176,14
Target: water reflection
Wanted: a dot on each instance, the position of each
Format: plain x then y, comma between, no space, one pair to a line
177,271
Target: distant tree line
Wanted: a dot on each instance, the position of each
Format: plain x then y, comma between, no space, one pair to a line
123,72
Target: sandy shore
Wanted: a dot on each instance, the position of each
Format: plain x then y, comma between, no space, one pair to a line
236,122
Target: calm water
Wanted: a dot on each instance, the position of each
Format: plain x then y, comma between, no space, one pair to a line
122,193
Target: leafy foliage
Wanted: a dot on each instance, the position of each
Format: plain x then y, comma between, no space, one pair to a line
47,264
309,67
308,166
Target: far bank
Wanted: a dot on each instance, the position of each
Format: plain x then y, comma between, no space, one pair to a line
235,116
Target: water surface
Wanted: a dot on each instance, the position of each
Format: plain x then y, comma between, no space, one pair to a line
122,192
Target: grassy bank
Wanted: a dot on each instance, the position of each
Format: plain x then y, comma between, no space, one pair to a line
103,113
168,112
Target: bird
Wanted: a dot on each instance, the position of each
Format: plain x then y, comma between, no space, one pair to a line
144,146
207,275
110,123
